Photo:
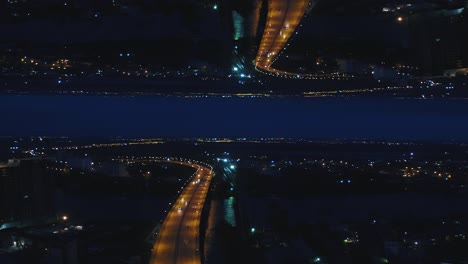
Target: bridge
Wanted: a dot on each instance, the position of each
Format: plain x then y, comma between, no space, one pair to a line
178,239
284,16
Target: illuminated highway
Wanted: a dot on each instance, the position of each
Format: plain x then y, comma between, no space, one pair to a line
284,16
178,239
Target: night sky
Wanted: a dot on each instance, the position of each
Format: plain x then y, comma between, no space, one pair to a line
317,118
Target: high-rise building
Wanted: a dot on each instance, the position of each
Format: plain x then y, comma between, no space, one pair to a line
26,192
438,40
465,34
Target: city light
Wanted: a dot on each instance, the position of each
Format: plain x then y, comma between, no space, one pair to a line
352,146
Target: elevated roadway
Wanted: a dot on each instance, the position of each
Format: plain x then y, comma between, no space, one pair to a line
284,16
178,239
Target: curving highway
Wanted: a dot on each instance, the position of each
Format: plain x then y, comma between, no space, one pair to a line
178,239
283,18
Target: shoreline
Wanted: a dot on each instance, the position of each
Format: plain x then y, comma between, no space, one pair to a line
245,88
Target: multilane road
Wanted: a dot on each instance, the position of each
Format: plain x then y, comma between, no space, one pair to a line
283,18
178,239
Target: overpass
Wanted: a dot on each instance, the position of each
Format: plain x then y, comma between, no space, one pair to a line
284,16
178,239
